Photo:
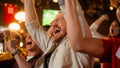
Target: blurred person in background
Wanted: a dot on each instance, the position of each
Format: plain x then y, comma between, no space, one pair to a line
33,53
114,32
6,58
5,34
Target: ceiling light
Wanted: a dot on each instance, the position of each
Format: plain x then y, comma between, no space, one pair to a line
55,1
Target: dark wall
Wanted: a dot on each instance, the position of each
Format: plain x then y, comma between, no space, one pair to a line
1,15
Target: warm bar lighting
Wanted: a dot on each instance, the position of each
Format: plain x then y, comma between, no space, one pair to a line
14,26
55,1
20,16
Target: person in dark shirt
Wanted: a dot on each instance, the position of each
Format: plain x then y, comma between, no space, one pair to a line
33,53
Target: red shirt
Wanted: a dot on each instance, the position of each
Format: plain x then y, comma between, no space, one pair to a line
112,52
106,65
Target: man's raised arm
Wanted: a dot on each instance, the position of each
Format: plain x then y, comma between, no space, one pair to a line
77,41
30,12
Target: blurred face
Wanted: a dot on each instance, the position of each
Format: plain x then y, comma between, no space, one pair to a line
118,13
114,29
58,27
30,44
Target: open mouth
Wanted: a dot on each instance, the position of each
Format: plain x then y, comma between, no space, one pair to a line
57,31
112,31
29,43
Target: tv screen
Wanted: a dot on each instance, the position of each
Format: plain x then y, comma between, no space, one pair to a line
48,16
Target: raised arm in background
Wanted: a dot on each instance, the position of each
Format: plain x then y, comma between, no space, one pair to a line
95,25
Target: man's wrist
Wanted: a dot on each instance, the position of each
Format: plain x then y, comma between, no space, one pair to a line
17,51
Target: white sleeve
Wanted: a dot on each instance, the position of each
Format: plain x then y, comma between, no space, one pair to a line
79,11
94,32
38,34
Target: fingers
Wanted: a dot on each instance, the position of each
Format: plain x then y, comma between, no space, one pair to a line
11,45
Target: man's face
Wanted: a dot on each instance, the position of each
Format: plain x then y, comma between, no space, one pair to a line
58,27
30,44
